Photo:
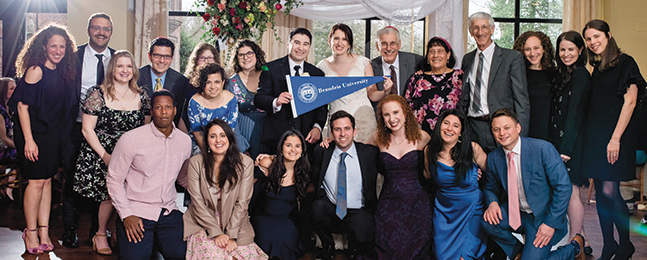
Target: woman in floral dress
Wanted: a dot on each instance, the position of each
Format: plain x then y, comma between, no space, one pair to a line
438,87
109,110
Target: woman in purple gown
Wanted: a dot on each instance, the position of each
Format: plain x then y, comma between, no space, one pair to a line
403,216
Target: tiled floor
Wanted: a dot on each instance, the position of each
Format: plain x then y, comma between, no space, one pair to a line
12,222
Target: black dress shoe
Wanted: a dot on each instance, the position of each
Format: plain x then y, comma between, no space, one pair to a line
70,238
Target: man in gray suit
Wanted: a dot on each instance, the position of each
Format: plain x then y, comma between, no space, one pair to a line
400,65
494,77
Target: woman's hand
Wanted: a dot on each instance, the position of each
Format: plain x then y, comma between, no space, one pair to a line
231,245
106,158
31,151
613,148
222,241
259,158
565,158
326,142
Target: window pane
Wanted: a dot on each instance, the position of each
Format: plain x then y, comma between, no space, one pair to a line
186,32
320,38
503,35
185,5
496,8
412,36
546,9
551,29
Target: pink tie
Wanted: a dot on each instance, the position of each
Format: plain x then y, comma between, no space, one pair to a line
513,194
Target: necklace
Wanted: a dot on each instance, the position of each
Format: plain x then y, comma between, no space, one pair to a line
396,142
438,78
124,95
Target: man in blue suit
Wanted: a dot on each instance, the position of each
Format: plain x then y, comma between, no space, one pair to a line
527,191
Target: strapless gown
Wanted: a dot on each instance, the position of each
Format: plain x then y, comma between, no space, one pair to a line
457,215
403,216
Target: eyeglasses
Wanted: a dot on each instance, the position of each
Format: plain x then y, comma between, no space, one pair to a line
249,54
96,28
207,59
161,56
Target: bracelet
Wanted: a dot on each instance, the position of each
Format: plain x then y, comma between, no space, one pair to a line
612,142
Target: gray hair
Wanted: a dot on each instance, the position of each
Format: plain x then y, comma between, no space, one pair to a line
387,30
480,15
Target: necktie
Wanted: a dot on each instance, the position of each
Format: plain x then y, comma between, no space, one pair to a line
158,86
394,78
476,103
297,68
341,187
513,194
100,69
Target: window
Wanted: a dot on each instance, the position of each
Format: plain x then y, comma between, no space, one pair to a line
412,37
185,29
513,17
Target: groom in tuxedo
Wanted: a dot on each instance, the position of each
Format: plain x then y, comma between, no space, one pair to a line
527,191
345,175
274,98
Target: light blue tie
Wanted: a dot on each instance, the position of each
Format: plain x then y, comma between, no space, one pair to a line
341,187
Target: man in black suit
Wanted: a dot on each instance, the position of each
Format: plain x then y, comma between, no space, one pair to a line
498,81
91,69
274,98
159,75
399,64
345,174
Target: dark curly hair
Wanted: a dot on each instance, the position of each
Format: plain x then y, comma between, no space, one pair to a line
207,69
565,73
412,130
232,162
547,59
609,57
276,171
437,41
260,55
192,64
33,53
461,153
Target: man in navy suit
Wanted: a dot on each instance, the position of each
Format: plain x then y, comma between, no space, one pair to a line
360,197
274,98
160,75
527,191
91,69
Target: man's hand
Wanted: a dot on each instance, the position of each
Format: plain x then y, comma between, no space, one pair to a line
134,228
388,84
493,214
544,234
283,98
314,135
222,241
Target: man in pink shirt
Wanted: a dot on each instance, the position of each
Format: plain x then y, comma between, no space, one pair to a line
141,181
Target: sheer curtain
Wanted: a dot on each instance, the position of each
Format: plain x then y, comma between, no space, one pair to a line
283,25
151,21
578,12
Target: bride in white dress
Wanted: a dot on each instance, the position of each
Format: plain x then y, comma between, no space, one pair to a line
344,63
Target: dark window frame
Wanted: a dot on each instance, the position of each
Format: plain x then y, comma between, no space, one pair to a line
517,20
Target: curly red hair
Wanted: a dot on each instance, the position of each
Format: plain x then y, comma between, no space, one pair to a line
411,128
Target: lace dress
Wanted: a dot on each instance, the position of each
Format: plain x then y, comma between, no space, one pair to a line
90,176
356,104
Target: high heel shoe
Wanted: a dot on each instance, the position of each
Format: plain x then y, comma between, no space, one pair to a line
102,251
46,247
625,251
608,251
35,250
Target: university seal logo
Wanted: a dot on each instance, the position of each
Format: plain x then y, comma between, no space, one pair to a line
308,93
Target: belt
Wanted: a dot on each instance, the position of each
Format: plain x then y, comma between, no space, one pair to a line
485,118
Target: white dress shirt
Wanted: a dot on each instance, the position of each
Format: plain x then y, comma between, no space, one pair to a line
89,72
487,62
276,107
523,202
354,197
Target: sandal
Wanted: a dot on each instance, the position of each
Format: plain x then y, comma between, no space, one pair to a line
35,250
45,247
102,251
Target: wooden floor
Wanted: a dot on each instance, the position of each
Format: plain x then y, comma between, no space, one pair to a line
12,247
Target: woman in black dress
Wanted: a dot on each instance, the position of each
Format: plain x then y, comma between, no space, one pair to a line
46,102
283,185
571,87
538,52
610,137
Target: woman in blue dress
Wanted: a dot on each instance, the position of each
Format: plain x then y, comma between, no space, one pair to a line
248,61
212,101
452,161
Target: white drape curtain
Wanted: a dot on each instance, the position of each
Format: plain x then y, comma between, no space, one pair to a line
151,21
578,12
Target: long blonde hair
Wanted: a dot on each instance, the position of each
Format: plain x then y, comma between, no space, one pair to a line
108,85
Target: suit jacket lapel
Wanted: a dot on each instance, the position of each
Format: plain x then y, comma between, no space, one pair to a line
502,164
327,155
404,68
526,168
496,61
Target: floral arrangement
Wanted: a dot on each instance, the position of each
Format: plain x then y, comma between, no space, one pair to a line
232,20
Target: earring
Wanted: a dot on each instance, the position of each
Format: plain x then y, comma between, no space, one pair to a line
459,139
208,149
